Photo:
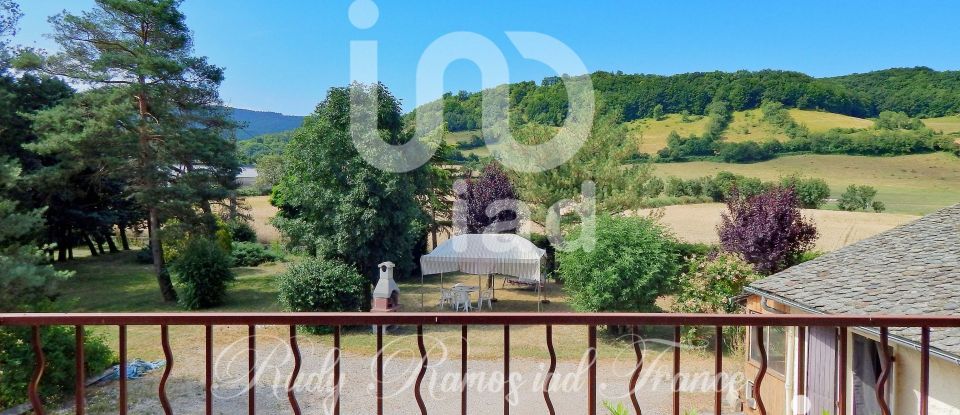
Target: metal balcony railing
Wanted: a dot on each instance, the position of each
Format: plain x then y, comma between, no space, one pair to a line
422,320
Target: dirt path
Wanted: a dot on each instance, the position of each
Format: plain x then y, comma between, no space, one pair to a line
440,386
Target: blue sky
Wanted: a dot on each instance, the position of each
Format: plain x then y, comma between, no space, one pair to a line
283,55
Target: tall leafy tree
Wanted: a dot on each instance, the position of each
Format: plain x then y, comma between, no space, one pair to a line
334,204
144,50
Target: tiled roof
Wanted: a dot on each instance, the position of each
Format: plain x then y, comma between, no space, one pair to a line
911,269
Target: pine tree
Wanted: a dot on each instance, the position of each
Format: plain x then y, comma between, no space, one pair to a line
143,50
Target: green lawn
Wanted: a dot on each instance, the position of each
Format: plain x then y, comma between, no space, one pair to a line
115,283
914,184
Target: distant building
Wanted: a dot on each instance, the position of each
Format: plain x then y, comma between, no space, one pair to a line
247,176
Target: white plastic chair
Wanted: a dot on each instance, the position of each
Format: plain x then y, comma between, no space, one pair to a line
446,297
485,295
463,300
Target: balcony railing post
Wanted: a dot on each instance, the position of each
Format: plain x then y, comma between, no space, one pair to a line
592,358
208,369
506,370
39,361
842,372
801,362
336,369
80,390
718,370
758,380
168,355
463,369
251,369
379,369
676,370
550,371
924,370
292,381
123,369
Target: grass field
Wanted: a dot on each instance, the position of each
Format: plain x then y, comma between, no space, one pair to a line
261,211
748,126
949,124
914,184
819,121
651,135
698,223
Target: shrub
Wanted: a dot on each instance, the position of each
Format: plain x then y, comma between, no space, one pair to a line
633,262
144,255
653,187
241,231
478,195
202,271
857,198
878,206
318,284
16,362
767,229
811,193
250,254
708,285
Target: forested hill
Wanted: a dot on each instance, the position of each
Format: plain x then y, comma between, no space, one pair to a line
263,122
919,92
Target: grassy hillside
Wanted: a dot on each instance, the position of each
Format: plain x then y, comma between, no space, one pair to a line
262,122
949,124
651,135
819,121
914,184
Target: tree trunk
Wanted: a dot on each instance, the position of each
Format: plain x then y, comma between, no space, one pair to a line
112,245
98,238
123,237
159,268
233,206
93,248
61,250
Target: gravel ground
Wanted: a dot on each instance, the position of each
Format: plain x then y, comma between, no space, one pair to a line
440,386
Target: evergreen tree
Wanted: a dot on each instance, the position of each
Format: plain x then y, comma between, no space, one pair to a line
143,50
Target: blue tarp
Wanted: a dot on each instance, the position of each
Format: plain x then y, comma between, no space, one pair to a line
135,369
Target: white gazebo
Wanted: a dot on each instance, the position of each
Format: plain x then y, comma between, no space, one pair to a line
485,254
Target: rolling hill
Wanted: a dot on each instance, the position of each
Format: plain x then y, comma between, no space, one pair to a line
256,123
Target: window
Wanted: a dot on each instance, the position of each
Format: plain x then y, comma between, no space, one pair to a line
775,341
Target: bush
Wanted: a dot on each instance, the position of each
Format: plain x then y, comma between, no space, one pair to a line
144,255
251,254
241,231
633,263
767,229
653,187
811,193
708,284
857,198
16,362
202,271
878,206
318,284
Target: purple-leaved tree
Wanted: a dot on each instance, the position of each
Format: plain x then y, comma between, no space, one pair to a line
486,200
766,229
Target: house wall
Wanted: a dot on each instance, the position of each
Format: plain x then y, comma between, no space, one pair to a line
778,392
944,384
774,387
